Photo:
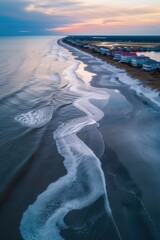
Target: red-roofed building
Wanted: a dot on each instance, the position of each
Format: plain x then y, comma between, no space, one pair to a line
127,56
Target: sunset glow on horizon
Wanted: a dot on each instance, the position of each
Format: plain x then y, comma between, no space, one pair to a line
81,17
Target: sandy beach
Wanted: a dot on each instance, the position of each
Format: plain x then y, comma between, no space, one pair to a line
151,79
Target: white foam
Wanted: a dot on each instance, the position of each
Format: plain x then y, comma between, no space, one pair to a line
84,182
117,91
44,219
141,90
60,54
133,83
36,118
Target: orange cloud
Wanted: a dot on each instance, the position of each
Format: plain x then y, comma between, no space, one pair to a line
84,16
72,27
104,24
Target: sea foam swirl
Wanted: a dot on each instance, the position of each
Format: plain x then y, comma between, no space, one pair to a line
36,118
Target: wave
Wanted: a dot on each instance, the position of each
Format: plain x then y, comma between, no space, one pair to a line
84,182
42,116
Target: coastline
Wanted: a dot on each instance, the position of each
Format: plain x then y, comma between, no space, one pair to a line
127,118
149,79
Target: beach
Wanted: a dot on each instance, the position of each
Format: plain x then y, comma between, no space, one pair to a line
150,79
86,149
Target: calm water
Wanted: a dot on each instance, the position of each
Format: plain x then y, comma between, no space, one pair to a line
152,55
77,161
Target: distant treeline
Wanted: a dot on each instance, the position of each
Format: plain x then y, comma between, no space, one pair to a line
146,39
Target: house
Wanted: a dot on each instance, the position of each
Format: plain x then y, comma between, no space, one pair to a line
103,51
134,49
139,60
127,57
151,65
96,49
127,49
117,55
109,52
119,48
92,47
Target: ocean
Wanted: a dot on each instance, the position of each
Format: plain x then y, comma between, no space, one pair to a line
80,146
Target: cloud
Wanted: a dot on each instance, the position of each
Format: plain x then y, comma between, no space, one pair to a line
15,20
51,17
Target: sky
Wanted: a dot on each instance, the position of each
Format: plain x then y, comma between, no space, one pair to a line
72,17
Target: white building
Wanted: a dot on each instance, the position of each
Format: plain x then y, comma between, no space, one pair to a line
151,65
139,60
117,55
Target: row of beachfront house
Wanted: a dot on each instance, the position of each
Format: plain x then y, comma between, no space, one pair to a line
143,61
122,55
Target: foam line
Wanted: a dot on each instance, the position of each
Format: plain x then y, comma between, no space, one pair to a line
84,182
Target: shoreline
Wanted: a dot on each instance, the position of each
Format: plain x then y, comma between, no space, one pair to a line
121,157
127,192
148,79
